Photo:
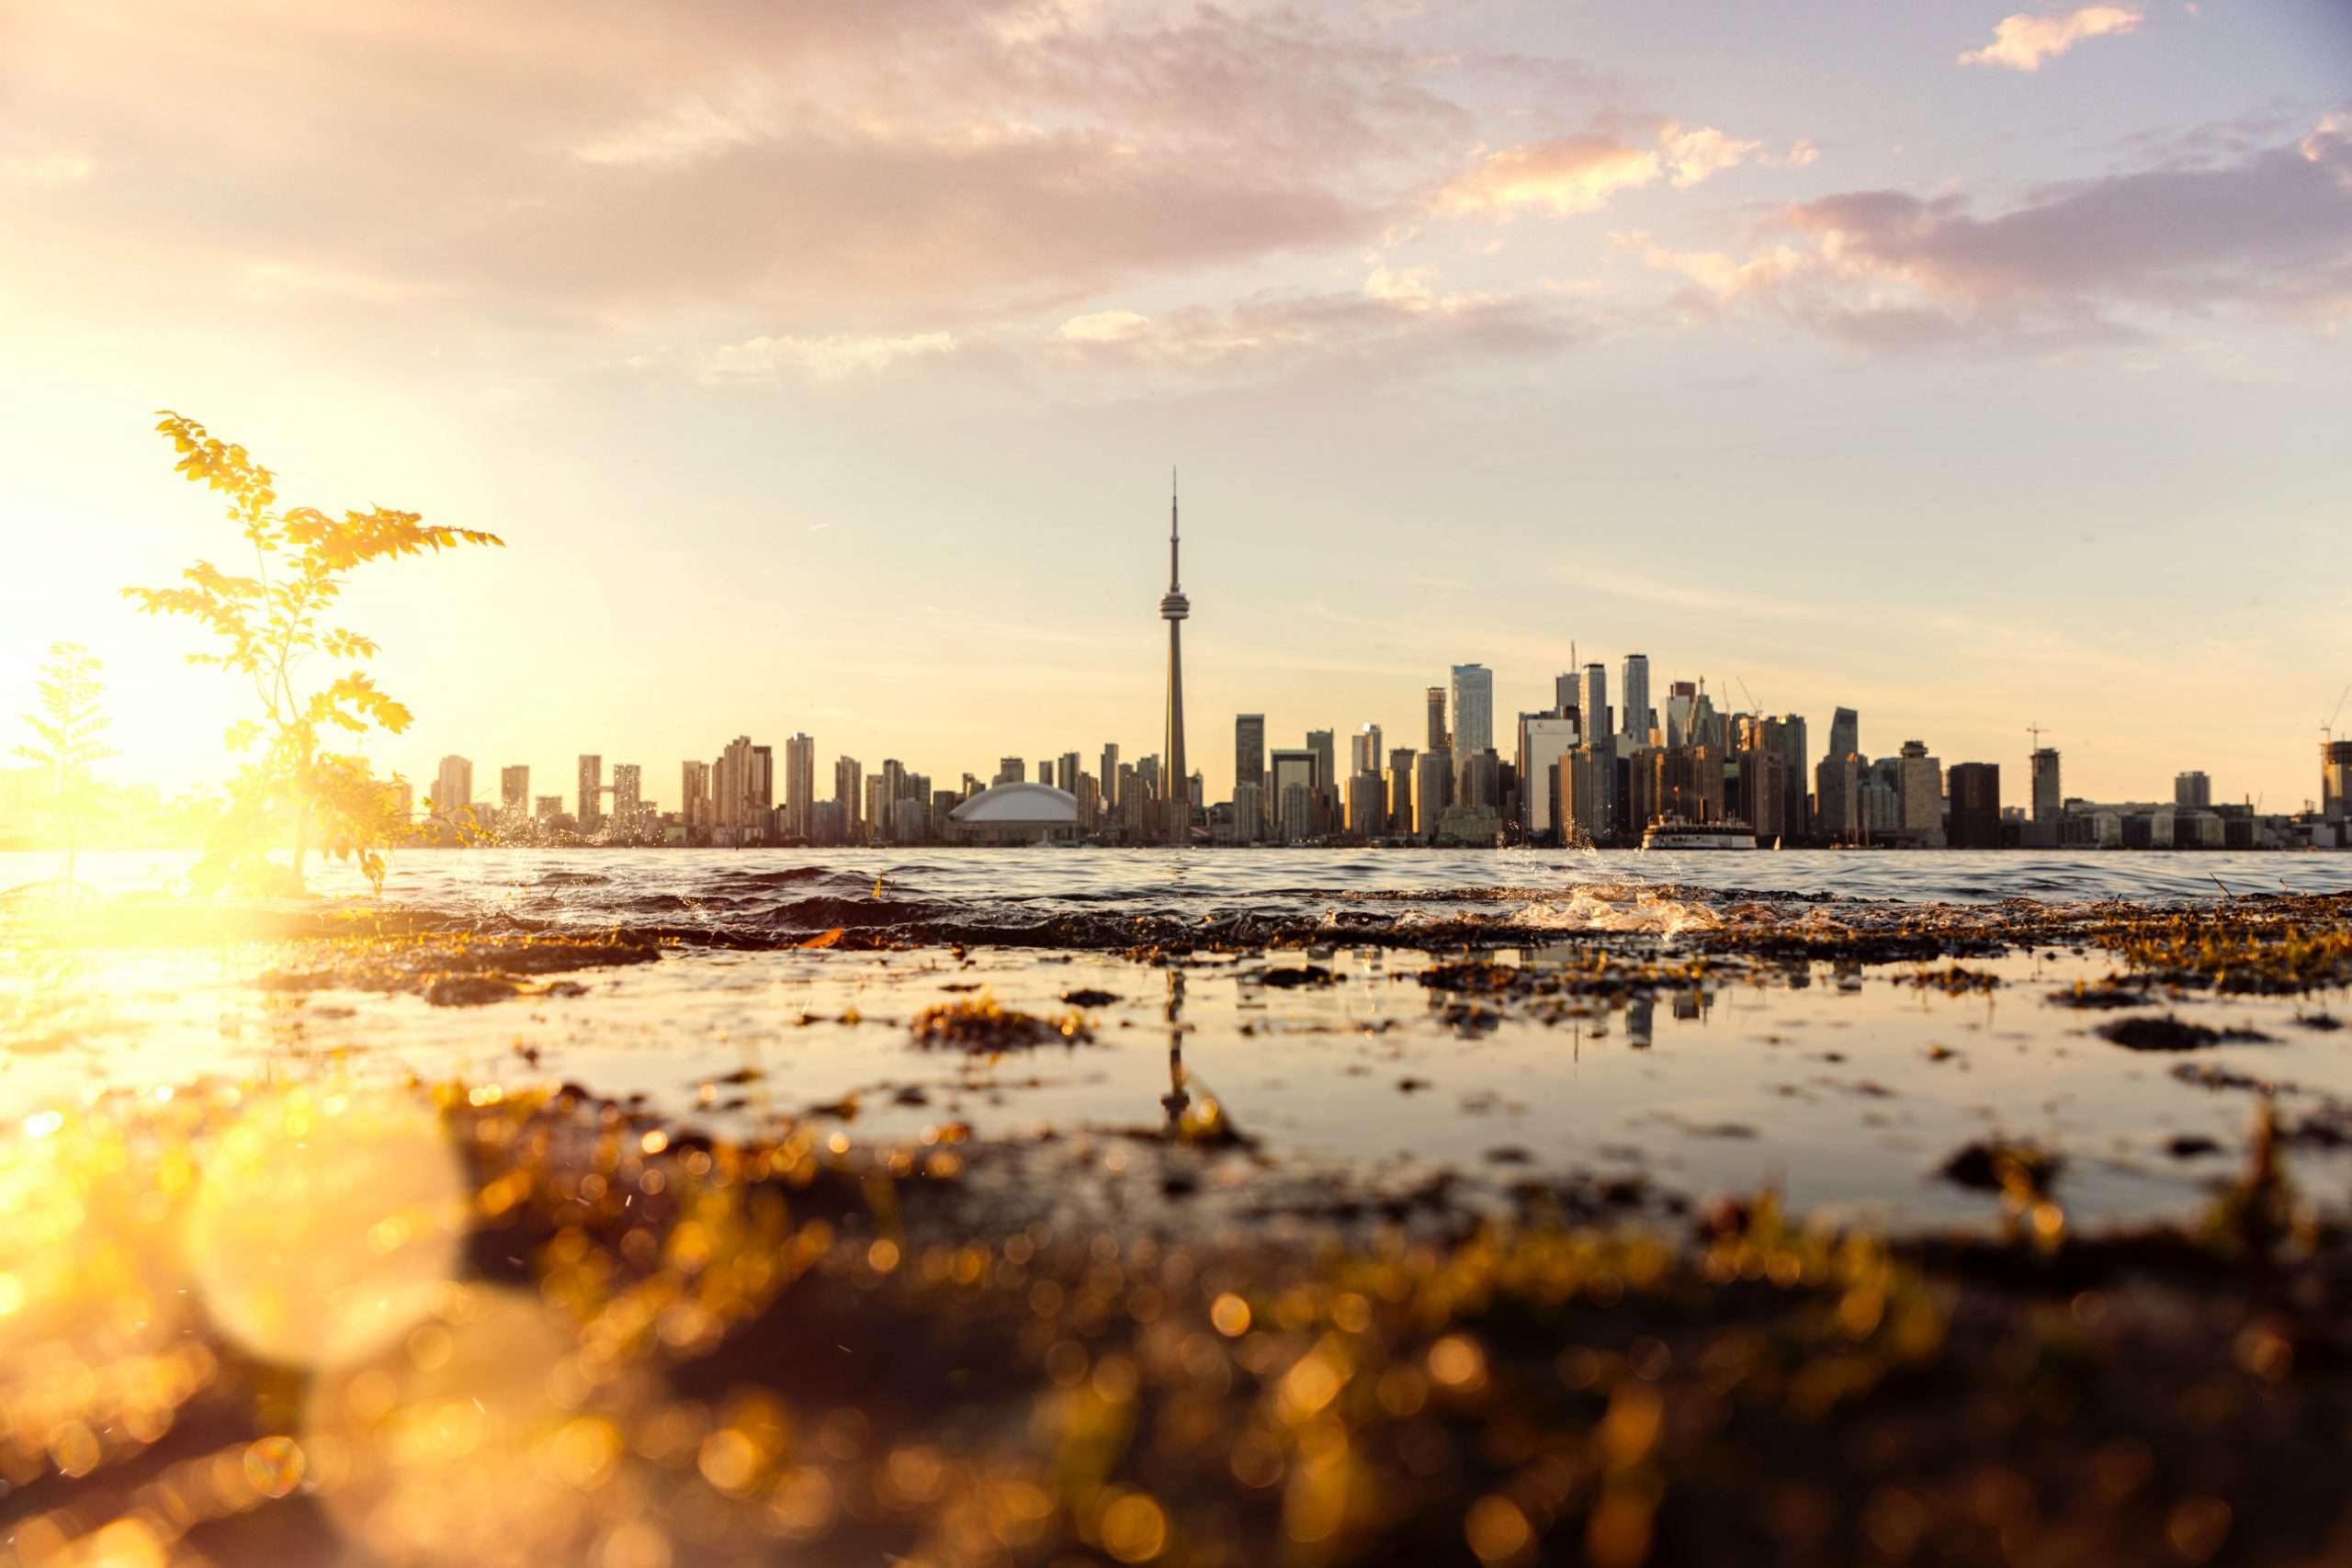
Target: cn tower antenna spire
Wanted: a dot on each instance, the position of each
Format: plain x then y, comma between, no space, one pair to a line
1174,578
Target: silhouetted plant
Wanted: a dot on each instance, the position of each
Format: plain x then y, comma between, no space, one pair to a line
270,625
65,737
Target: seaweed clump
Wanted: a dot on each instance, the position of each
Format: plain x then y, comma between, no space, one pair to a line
981,1025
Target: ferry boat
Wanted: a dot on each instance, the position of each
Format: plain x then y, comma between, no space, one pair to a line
1673,833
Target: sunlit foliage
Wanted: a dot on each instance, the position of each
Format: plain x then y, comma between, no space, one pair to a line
270,625
65,737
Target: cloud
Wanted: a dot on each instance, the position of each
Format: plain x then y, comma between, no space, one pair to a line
1400,322
829,166
822,359
1579,174
2097,260
1695,154
2022,43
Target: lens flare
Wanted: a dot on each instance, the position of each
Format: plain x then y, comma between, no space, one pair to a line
324,1224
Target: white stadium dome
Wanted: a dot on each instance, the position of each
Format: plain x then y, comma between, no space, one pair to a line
1018,806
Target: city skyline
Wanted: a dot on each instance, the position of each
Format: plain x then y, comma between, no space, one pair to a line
1721,335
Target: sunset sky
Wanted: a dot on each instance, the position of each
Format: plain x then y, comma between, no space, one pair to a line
822,365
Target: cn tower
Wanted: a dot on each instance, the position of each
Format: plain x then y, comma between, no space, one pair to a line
1173,608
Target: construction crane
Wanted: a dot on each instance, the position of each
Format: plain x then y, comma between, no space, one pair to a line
1754,707
2327,730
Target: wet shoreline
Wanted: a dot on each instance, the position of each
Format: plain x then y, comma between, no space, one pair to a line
1762,1228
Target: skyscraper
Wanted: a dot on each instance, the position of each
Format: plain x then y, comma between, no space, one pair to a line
1438,739
2336,779
1248,750
2193,790
799,783
1975,805
1634,724
453,785
694,796
1474,709
848,795
1173,608
1920,787
515,793
1845,733
1680,698
1364,755
2049,800
591,792
1592,704
1325,747
629,799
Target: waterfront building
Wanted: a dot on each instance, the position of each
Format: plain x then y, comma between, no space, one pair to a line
848,793
799,783
1173,608
1248,750
1543,741
1845,733
514,796
1687,782
1680,697
1785,736
589,796
1975,791
1920,788
1439,739
1878,807
1836,790
1299,770
628,802
1634,696
1400,791
1592,704
1325,747
1579,804
1432,791
1707,728
881,821
2335,780
2192,790
693,797
1249,813
1367,805
1478,784
1474,709
545,809
1765,784
453,785
2049,799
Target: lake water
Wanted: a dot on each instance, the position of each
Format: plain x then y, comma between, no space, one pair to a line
1113,898
1844,1085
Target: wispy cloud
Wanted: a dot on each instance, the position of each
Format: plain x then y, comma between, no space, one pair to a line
1579,174
2022,43
820,358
